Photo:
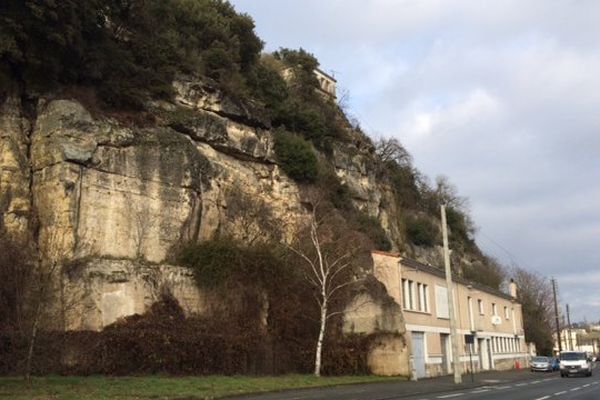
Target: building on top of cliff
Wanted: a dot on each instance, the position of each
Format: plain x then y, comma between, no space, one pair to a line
327,83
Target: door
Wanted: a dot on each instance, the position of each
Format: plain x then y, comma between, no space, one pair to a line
484,360
489,352
445,346
418,353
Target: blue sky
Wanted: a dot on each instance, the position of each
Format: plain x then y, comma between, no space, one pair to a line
502,97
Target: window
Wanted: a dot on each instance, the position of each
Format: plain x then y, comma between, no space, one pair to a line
415,296
494,309
506,313
441,302
470,304
423,294
406,296
480,305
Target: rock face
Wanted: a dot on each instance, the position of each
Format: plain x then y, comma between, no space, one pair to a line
15,172
116,200
122,198
375,313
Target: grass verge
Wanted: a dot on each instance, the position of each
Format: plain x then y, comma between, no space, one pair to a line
162,387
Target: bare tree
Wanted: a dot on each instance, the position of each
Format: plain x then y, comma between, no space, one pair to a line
328,263
535,295
252,217
390,149
43,280
140,224
447,194
16,269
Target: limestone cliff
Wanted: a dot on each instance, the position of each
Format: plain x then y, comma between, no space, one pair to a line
117,199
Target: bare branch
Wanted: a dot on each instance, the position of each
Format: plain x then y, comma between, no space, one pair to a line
338,287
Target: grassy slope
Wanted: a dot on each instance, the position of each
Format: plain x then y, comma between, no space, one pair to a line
161,387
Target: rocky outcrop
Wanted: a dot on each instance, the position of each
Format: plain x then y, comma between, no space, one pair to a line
116,200
122,198
376,314
100,189
15,172
353,163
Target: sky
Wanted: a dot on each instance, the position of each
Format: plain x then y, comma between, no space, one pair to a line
502,97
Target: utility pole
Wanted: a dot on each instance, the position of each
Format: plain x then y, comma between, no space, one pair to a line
569,332
556,316
456,367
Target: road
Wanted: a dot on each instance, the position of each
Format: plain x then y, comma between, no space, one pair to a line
554,388
520,385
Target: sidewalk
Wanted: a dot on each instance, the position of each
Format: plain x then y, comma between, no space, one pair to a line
399,389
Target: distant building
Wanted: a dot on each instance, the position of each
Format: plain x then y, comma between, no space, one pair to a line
578,339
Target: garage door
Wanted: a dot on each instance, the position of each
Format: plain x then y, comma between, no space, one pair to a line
418,353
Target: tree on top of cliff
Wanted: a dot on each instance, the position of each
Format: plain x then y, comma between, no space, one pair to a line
127,50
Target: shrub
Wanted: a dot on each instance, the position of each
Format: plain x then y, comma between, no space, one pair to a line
371,227
267,85
219,261
460,227
304,110
131,52
296,157
421,231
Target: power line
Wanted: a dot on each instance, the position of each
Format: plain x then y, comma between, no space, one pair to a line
512,257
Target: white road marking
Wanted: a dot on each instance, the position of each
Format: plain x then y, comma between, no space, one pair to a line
559,393
502,387
543,398
480,391
574,389
450,395
534,382
522,384
586,385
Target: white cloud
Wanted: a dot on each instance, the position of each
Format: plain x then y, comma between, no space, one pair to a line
502,97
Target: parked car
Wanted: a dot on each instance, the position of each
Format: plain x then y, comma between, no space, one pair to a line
575,363
543,364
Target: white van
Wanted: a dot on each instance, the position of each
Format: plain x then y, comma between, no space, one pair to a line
575,363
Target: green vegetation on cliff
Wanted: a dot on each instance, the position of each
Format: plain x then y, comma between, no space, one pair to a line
296,157
127,50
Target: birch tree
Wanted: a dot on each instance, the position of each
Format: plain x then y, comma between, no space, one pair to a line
326,256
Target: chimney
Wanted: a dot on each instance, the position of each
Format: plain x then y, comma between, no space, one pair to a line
512,288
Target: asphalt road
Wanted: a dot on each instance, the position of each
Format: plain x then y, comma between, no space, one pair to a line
519,385
540,389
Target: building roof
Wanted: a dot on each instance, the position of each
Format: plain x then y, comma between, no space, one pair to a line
325,74
386,253
442,274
